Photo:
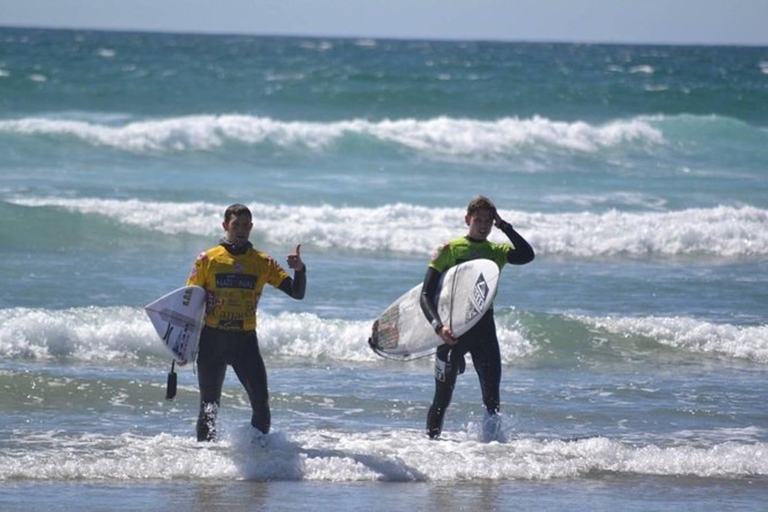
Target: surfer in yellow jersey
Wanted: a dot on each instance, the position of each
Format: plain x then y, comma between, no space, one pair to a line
234,274
481,340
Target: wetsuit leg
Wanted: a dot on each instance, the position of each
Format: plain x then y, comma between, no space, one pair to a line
249,368
447,365
211,370
486,358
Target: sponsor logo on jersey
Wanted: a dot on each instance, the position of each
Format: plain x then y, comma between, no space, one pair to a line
234,280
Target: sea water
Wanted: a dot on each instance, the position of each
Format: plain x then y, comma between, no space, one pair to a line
634,347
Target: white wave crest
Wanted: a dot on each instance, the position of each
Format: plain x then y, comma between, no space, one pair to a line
439,136
741,342
91,333
125,334
721,231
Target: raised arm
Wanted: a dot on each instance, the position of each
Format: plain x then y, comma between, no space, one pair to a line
523,252
296,286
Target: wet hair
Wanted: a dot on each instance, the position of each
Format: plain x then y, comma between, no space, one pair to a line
236,210
480,203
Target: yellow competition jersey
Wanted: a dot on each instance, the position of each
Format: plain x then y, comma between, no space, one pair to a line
464,249
234,283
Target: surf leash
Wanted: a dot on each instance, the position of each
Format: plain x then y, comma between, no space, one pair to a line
170,388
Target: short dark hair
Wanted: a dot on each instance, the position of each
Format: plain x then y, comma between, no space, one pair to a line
235,210
480,203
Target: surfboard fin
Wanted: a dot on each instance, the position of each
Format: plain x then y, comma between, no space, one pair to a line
170,388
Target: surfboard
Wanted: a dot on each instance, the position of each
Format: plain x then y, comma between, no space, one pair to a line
178,318
465,294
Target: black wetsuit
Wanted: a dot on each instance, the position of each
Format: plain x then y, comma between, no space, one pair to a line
480,341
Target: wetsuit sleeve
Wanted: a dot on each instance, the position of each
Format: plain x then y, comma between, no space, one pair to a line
428,291
295,287
523,252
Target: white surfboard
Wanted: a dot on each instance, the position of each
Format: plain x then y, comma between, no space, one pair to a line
178,318
466,293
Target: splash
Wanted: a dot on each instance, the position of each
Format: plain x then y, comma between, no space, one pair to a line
326,456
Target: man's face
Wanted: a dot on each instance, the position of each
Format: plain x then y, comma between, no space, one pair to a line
238,229
480,223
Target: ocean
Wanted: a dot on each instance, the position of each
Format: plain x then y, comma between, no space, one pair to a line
634,347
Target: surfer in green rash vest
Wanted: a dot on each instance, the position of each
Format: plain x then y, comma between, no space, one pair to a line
481,340
234,275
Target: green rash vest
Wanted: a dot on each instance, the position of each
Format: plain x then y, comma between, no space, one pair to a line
464,249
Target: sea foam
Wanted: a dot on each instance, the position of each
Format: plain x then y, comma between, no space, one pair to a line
380,455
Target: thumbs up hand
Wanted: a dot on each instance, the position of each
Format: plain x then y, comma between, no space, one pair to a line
294,260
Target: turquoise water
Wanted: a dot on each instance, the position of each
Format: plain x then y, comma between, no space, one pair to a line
634,347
